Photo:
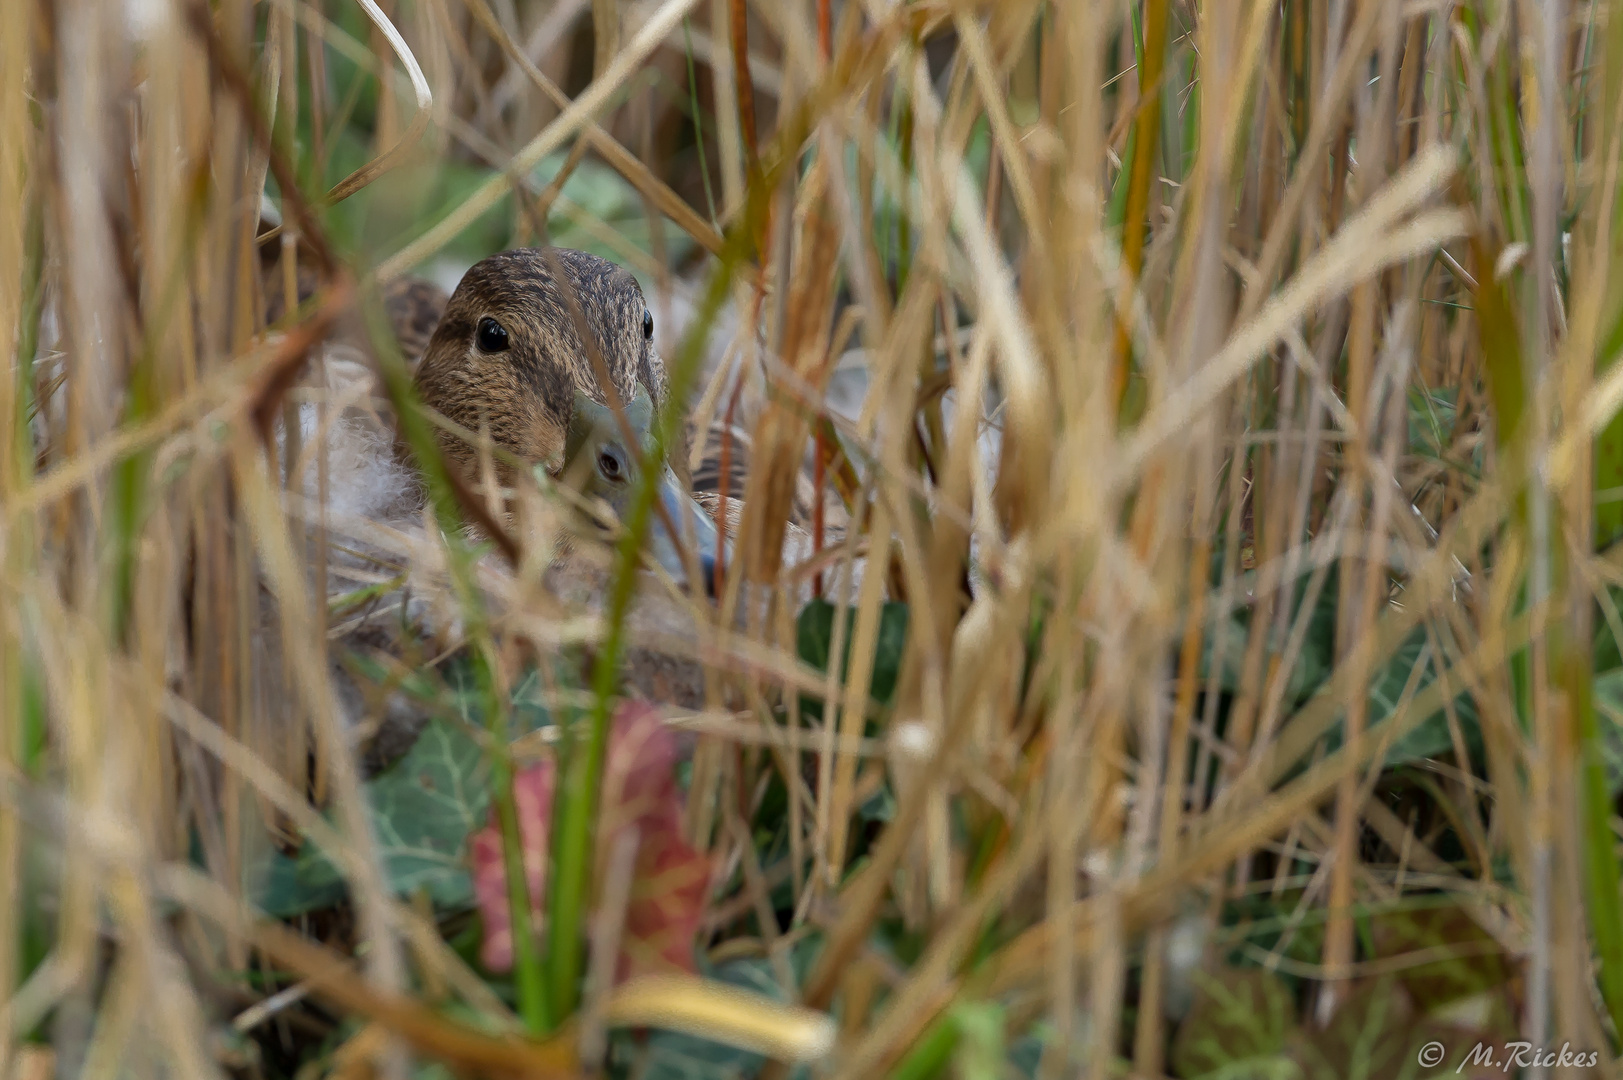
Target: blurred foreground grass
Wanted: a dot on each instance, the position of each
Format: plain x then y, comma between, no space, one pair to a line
1224,393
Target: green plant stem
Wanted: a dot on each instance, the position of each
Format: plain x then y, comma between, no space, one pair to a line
575,803
1601,872
931,1054
528,976
698,121
1504,130
28,343
126,497
533,1006
1116,208
581,774
1609,445
904,229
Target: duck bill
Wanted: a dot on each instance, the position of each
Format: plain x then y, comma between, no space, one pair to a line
696,533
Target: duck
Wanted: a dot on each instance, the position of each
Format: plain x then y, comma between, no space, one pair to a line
717,458
551,352
550,355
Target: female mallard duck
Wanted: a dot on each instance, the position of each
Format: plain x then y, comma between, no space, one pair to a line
503,358
522,355
533,350
550,347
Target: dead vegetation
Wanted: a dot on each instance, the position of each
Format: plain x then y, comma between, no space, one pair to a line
1220,396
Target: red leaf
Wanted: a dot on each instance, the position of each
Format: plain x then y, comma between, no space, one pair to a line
532,792
671,880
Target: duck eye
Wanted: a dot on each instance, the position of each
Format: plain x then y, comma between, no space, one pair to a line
608,463
492,336
648,326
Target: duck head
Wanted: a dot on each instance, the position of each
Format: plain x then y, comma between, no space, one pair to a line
603,466
508,357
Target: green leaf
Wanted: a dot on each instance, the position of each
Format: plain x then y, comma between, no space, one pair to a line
1468,962
1431,420
1431,736
814,638
1237,1027
1313,662
1608,656
981,1052
278,890
423,809
1367,1038
1273,924
1609,710
880,806
601,194
1427,739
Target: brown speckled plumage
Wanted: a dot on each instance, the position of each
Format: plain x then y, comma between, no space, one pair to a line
524,395
511,396
414,307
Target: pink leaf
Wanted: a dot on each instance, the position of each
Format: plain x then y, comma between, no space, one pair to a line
532,793
667,900
671,879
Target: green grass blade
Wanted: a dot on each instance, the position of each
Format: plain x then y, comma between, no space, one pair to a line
533,1006
932,1053
1602,878
581,772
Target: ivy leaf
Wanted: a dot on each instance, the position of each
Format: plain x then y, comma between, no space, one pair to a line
423,809
814,643
1431,737
278,891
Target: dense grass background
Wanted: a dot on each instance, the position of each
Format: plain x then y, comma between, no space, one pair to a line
1223,398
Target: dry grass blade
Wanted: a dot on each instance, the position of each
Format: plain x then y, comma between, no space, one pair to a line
1335,268
569,122
1166,463
726,1014
391,157
332,977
